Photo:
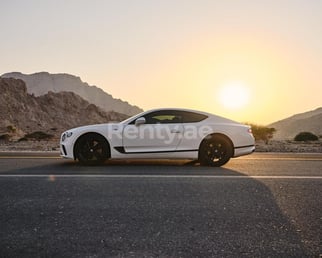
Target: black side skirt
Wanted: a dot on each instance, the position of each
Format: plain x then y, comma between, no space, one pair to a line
121,149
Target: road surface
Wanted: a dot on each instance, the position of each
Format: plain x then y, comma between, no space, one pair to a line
262,205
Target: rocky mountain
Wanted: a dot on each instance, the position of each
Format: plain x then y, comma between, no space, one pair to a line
288,128
23,113
43,82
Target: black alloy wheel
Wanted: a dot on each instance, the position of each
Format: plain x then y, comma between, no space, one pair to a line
91,149
215,151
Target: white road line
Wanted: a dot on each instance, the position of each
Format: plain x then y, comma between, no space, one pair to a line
283,158
158,176
30,157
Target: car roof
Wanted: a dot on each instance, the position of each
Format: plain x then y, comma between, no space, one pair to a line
209,115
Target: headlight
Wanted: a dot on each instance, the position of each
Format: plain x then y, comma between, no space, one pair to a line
69,134
66,135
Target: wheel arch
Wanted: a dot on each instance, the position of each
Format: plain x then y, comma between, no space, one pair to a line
87,134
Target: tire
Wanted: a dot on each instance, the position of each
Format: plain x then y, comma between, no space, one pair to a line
215,151
91,149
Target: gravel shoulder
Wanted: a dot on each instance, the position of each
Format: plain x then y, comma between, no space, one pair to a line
27,146
290,146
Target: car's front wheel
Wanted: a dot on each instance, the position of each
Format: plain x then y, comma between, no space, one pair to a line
215,151
91,149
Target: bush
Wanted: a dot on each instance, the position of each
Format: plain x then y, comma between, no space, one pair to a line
11,129
262,132
4,137
38,136
305,136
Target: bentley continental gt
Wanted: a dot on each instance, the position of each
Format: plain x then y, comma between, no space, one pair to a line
164,133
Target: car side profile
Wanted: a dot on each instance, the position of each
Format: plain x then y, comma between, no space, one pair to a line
160,134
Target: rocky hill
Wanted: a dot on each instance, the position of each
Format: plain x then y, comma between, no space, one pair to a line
43,82
23,113
305,122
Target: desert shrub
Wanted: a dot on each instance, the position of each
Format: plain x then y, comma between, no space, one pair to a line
38,136
262,132
305,136
11,129
4,137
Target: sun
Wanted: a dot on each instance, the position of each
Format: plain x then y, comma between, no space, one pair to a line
234,95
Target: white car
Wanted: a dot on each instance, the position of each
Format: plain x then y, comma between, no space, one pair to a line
160,134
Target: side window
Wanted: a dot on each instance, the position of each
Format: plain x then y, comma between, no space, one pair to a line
191,117
163,117
172,117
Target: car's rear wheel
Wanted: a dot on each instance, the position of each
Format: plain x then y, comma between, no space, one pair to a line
215,151
91,149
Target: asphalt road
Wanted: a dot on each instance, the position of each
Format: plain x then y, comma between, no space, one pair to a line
262,205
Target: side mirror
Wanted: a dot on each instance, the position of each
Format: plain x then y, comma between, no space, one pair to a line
140,121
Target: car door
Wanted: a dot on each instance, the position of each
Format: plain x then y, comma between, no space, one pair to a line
158,131
194,130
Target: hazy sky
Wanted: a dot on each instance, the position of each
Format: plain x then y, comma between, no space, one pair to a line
264,56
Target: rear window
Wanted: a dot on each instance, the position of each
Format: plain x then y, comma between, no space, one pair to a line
191,117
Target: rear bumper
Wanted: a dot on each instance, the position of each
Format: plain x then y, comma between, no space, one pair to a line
243,150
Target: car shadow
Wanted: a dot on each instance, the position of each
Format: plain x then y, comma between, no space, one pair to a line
120,167
191,213
149,167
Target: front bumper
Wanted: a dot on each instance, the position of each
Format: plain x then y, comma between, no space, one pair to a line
63,151
66,145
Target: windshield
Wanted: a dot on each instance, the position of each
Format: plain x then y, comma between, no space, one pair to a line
130,119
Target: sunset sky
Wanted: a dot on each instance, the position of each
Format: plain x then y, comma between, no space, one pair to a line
249,60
